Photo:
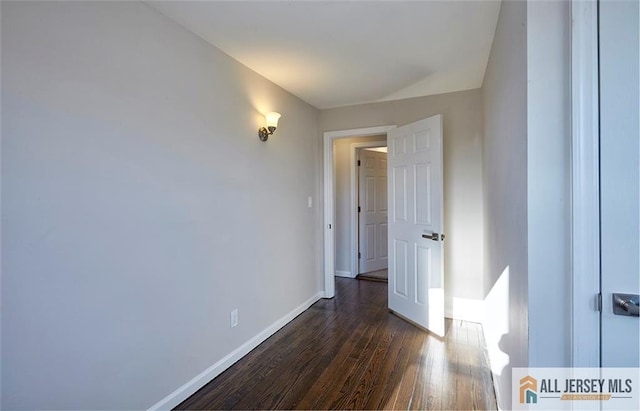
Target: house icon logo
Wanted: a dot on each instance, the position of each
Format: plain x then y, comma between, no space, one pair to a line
528,390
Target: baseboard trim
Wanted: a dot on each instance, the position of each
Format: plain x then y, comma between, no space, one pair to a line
185,391
465,309
340,273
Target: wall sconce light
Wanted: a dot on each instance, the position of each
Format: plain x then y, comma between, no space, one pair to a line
272,123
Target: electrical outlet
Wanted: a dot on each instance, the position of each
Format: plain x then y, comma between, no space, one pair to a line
234,318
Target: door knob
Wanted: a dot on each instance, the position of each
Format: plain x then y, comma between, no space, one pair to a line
433,236
625,304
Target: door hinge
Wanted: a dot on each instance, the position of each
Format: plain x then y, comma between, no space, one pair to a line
599,302
358,208
358,163
359,255
329,226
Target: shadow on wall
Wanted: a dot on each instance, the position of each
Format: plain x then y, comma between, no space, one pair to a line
496,331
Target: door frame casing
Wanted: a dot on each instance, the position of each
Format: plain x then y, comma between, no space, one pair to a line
329,197
585,188
355,227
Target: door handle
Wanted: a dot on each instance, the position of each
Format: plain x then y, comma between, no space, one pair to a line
625,304
434,236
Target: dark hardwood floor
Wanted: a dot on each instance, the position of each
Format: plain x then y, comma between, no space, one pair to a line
351,353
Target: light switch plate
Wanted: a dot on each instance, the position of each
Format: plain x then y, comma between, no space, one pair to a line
234,318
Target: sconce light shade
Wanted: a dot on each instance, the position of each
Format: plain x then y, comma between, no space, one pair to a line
272,123
272,119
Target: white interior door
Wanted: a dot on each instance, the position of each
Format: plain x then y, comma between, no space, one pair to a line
416,270
372,216
619,176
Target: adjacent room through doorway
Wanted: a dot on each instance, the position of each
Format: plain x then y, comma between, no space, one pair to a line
347,152
372,210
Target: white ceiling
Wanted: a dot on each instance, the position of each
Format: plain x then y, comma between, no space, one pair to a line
338,53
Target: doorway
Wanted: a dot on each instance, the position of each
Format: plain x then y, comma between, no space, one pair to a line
372,213
347,152
369,213
415,166
329,198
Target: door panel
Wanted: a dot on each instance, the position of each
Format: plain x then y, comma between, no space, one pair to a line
372,179
423,262
399,190
383,244
619,176
400,265
423,194
416,268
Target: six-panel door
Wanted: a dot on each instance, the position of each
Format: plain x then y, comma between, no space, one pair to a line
415,175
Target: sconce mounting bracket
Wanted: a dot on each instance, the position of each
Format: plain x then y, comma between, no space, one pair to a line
263,133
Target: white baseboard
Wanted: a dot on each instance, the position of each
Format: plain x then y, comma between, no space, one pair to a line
464,309
344,274
188,389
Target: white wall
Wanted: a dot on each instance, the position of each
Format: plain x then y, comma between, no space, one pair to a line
527,193
342,175
462,114
139,207
504,95
548,182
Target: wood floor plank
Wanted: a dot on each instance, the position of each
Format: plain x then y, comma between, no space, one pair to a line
389,346
378,337
328,380
406,386
429,385
391,370
464,394
351,353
